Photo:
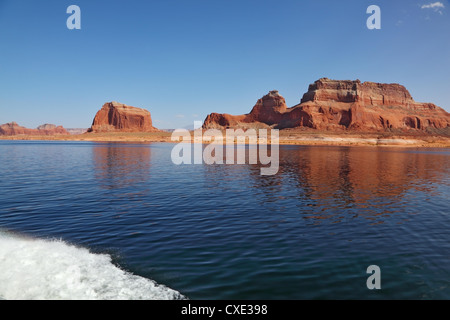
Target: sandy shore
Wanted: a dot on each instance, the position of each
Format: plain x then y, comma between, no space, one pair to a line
287,137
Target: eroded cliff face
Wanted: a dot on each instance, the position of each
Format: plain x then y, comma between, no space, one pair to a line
118,117
340,105
269,110
367,93
12,129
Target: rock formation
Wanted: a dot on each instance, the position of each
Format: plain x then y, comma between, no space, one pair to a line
340,105
75,131
12,129
51,129
118,117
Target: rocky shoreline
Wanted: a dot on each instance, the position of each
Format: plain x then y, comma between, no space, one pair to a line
287,137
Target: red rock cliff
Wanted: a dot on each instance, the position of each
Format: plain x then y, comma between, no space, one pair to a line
114,116
340,105
11,129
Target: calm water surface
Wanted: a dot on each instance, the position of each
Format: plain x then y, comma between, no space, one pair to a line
110,220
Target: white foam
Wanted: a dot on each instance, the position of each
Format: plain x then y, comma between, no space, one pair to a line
34,269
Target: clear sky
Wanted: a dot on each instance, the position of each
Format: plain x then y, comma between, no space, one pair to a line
183,59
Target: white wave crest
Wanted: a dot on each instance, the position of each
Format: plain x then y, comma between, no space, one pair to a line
34,269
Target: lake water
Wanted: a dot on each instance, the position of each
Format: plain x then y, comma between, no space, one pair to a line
89,220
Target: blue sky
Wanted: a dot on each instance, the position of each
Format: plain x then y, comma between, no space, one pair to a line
183,59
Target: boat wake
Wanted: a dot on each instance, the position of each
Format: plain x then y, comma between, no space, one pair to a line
35,269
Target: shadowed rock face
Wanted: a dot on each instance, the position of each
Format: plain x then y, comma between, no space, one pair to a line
12,129
118,117
340,105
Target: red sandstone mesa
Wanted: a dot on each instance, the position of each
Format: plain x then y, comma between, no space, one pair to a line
118,117
12,129
340,105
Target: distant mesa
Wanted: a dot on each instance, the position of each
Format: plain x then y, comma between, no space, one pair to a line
75,131
12,129
118,117
340,105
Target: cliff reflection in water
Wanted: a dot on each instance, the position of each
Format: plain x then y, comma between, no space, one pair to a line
119,166
343,182
319,183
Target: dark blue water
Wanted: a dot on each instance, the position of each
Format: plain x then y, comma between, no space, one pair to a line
225,231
